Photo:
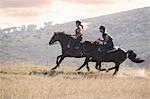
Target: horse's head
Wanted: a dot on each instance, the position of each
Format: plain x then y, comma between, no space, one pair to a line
55,37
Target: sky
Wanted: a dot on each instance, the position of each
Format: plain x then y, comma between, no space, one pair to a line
24,12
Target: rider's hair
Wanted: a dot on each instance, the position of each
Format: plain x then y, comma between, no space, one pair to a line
79,23
102,28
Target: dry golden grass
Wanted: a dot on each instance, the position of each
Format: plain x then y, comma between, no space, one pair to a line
17,83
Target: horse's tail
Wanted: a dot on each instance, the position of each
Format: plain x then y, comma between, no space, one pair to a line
133,58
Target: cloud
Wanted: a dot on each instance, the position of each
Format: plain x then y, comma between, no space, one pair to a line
19,12
23,3
22,8
91,1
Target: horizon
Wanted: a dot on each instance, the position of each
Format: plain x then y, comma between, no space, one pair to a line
15,13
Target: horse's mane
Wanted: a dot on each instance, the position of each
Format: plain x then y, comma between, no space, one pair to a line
63,33
90,42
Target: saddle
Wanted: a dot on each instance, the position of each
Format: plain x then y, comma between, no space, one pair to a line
113,50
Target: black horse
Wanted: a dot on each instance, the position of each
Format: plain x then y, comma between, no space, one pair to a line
117,56
64,40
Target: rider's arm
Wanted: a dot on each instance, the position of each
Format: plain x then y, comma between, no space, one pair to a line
106,39
79,35
99,41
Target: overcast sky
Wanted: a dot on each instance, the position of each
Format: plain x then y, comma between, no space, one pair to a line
18,12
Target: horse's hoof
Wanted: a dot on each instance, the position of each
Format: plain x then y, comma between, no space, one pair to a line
103,69
107,71
54,68
114,74
97,69
88,70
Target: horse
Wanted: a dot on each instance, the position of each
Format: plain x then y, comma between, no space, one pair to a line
117,56
64,40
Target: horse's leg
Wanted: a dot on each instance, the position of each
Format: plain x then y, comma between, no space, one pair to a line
61,59
117,69
54,68
85,63
100,67
110,68
57,62
87,66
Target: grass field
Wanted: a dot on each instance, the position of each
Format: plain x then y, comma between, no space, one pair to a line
36,82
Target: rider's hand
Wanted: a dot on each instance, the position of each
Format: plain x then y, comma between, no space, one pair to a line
74,37
96,42
82,41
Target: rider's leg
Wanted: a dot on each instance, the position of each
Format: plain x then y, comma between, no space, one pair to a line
77,42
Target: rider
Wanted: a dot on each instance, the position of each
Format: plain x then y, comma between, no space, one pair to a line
78,34
107,40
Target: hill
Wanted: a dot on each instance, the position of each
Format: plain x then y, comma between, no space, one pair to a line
130,30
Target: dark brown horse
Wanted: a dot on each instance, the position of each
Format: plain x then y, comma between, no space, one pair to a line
64,40
117,56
